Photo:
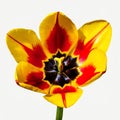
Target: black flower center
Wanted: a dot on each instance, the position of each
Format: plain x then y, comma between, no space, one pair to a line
61,69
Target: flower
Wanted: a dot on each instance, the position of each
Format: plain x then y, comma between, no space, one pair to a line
63,60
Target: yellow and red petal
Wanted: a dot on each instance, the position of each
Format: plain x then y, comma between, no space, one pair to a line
92,68
96,34
63,97
31,77
58,32
25,46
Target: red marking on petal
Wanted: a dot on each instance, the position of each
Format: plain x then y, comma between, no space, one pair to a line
88,73
63,92
64,99
83,50
35,55
35,79
58,38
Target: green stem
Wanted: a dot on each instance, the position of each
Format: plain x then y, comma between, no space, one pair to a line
59,113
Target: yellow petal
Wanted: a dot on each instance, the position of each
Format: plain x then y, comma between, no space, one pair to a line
25,46
55,99
58,32
62,97
93,67
97,34
31,77
98,59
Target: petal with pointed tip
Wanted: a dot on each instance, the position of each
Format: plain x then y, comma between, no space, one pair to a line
25,46
96,34
58,32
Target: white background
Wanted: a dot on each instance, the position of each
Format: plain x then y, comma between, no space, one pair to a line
100,100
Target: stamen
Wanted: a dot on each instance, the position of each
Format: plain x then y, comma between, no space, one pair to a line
61,69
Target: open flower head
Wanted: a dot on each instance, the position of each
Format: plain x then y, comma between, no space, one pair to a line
63,60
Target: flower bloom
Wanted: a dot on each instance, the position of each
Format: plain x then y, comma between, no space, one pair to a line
63,60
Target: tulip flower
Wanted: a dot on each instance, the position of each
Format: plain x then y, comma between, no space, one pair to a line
62,60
